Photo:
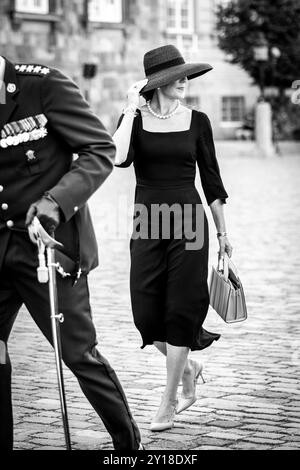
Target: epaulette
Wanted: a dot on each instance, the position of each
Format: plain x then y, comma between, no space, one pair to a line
38,70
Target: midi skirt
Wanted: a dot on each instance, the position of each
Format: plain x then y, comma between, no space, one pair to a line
168,281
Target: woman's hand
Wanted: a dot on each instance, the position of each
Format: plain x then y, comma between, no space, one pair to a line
225,246
133,94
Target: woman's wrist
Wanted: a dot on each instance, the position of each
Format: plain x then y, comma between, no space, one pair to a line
221,234
130,109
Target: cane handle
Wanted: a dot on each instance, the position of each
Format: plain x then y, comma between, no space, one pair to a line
37,232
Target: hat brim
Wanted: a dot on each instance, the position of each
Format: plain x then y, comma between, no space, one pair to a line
166,76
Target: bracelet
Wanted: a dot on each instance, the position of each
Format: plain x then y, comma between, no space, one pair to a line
131,109
221,234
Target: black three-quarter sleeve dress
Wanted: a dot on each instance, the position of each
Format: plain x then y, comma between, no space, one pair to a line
168,282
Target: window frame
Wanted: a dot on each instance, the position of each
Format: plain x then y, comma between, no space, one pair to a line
178,29
105,21
54,13
45,10
229,111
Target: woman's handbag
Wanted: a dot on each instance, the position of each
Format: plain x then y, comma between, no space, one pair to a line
226,292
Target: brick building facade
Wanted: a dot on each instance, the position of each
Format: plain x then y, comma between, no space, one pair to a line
113,35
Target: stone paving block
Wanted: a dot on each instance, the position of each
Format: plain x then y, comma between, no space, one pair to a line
231,435
48,447
211,448
273,420
286,447
249,446
226,424
216,403
293,439
39,442
271,435
291,425
262,428
190,431
53,434
39,420
26,446
78,425
34,428
89,435
213,441
263,413
167,445
229,414
263,440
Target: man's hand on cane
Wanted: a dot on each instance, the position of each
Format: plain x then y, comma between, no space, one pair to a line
47,211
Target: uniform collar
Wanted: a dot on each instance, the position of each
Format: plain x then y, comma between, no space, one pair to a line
2,69
11,90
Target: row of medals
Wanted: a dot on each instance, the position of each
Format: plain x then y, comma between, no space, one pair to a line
25,130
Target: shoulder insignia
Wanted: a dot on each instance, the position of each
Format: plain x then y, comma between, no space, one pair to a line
32,69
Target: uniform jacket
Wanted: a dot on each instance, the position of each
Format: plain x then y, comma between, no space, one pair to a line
46,163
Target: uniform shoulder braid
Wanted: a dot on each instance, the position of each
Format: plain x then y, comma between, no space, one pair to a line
32,69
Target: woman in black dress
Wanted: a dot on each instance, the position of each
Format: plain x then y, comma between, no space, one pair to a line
169,262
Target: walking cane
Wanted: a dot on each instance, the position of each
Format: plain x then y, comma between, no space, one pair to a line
46,273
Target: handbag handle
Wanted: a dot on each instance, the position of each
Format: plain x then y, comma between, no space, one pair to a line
223,265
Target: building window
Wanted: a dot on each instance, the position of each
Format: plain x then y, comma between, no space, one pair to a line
233,108
105,11
40,7
180,16
37,32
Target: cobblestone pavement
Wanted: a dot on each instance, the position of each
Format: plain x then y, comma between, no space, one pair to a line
251,398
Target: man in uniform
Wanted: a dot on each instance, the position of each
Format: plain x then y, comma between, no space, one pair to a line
44,121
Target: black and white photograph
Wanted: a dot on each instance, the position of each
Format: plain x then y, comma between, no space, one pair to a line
149,227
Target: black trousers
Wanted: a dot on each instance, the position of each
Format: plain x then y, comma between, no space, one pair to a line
97,379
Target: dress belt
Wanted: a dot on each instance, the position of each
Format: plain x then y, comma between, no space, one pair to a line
190,185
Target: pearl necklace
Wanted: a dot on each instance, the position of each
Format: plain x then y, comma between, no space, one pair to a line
161,116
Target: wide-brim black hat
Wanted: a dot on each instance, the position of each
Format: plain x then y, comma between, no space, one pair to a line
165,64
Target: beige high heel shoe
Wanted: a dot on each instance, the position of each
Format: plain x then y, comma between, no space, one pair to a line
186,402
168,424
